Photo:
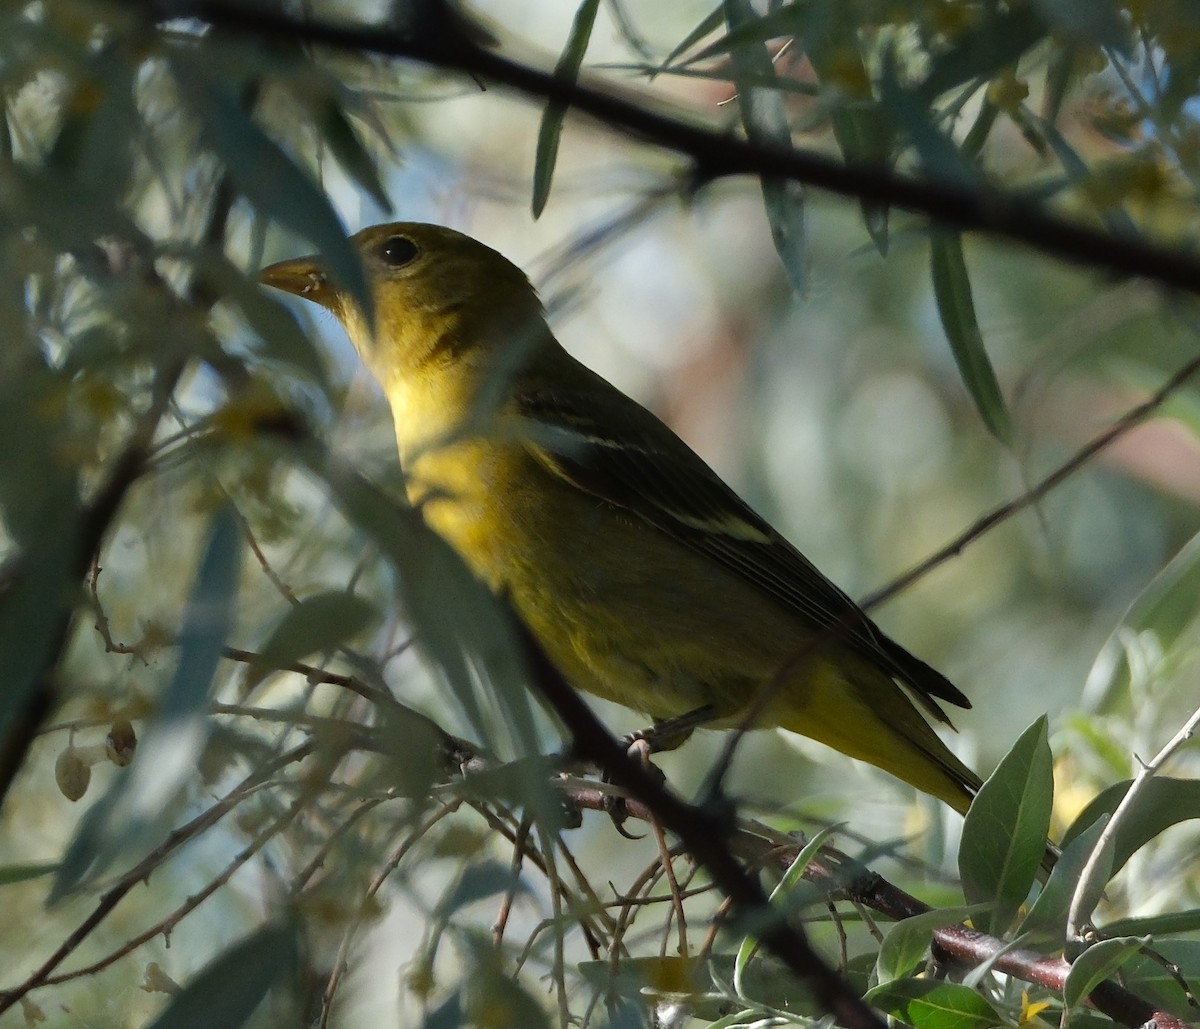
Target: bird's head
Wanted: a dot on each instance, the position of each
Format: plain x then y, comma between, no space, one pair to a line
439,296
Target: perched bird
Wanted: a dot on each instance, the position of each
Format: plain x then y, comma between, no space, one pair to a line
645,578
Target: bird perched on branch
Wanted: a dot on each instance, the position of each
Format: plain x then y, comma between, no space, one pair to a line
644,577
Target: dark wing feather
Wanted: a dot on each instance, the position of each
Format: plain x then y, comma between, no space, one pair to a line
607,445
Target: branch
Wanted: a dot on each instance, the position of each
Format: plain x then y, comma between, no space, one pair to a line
440,39
702,830
141,871
1096,870
955,945
1131,419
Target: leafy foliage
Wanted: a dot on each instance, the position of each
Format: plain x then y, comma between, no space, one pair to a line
208,565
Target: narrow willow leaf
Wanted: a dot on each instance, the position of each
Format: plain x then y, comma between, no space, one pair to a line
317,624
1048,915
10,874
1096,964
550,131
268,177
928,1004
1162,803
1166,924
781,900
956,307
708,25
940,156
764,118
754,30
458,624
339,135
1095,23
228,990
1004,834
1164,610
907,942
997,40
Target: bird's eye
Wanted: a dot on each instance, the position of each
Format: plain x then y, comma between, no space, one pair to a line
398,251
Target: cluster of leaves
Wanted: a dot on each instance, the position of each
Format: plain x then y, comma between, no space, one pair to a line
165,422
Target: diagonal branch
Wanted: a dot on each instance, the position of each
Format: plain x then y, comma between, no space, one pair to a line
441,39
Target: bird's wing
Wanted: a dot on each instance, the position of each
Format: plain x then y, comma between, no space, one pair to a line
610,447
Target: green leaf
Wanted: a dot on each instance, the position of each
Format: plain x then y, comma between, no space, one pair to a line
952,288
271,321
268,177
1090,22
1166,924
764,118
907,942
929,1004
1048,914
752,30
480,880
1004,833
175,737
550,131
338,134
782,900
318,623
10,874
940,156
709,24
459,625
1165,609
999,39
1095,965
228,989
1162,803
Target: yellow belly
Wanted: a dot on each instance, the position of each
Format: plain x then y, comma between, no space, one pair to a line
657,630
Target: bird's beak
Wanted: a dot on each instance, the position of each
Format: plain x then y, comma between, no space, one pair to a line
304,277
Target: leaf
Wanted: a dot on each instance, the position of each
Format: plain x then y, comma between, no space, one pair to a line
338,134
1048,914
907,942
1166,924
764,118
929,1004
709,24
10,874
550,130
1162,803
174,739
999,39
752,30
1165,609
952,289
940,157
1004,833
268,177
1090,22
459,625
272,322
782,900
1095,965
229,988
480,880
318,623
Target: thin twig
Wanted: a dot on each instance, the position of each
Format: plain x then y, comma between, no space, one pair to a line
1096,868
141,871
443,44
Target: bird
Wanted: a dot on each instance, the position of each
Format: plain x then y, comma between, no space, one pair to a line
645,578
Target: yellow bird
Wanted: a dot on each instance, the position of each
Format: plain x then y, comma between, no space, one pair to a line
645,578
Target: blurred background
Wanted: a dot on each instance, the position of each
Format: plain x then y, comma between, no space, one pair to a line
837,409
